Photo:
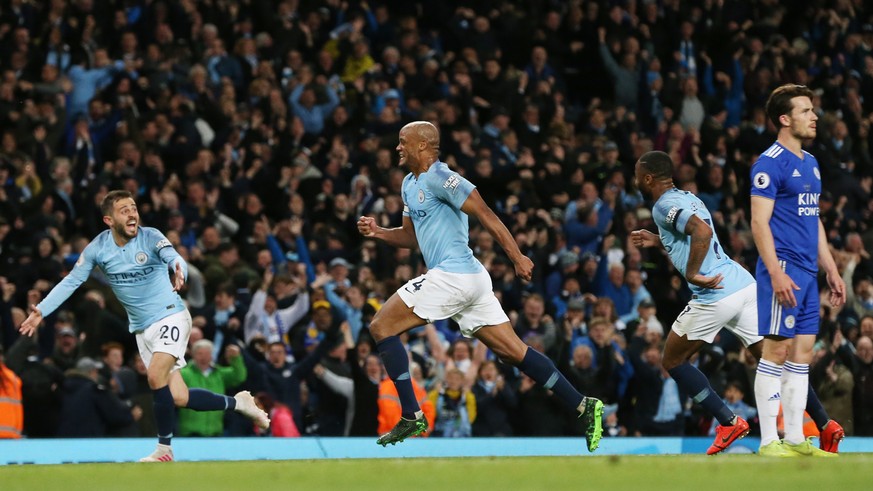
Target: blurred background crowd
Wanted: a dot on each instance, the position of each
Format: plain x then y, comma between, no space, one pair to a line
253,133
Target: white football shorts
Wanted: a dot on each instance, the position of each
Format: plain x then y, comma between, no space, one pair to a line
168,335
467,299
738,313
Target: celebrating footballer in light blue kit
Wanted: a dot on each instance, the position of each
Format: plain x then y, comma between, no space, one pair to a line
137,273
456,286
137,262
433,202
723,292
671,213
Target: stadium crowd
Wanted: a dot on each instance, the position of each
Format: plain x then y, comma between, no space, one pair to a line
255,133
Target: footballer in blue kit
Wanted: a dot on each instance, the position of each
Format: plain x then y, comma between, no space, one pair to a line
137,262
437,202
793,185
792,245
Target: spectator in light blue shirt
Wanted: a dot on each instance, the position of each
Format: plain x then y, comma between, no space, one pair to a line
350,303
303,100
86,82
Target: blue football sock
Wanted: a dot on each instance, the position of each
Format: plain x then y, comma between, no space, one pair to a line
538,367
694,382
204,400
396,362
165,413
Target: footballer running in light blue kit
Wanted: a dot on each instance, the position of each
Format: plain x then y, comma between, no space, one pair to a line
137,274
723,291
792,244
456,286
137,262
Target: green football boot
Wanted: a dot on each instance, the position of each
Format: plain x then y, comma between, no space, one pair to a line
405,428
592,418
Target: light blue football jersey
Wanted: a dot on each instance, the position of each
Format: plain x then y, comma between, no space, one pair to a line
138,272
794,185
671,213
433,202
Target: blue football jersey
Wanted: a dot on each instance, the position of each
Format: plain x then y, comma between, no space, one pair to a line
671,214
138,272
794,184
433,202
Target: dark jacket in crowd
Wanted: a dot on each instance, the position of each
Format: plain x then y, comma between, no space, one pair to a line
90,410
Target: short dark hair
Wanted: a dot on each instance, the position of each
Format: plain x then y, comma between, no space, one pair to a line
108,203
225,247
779,102
736,385
658,164
226,288
283,278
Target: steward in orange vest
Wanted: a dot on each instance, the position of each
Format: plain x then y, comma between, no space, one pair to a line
11,410
389,406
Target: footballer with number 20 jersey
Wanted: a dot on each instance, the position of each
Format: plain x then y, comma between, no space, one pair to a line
138,273
794,184
671,214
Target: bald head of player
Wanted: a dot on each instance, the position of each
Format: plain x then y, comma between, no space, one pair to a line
654,174
419,146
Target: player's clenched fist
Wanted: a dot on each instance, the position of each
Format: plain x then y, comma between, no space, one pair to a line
644,238
524,268
367,226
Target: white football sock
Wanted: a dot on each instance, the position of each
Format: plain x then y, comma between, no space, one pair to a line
768,385
795,385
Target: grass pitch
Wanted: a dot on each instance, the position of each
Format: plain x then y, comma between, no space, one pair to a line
642,473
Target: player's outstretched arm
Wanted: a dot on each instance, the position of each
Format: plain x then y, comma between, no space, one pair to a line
398,237
29,326
783,285
475,206
61,292
701,239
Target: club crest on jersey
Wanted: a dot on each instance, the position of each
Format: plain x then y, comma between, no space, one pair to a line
817,173
761,180
789,322
421,196
141,258
452,182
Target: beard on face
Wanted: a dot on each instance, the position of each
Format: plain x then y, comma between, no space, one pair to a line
121,229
